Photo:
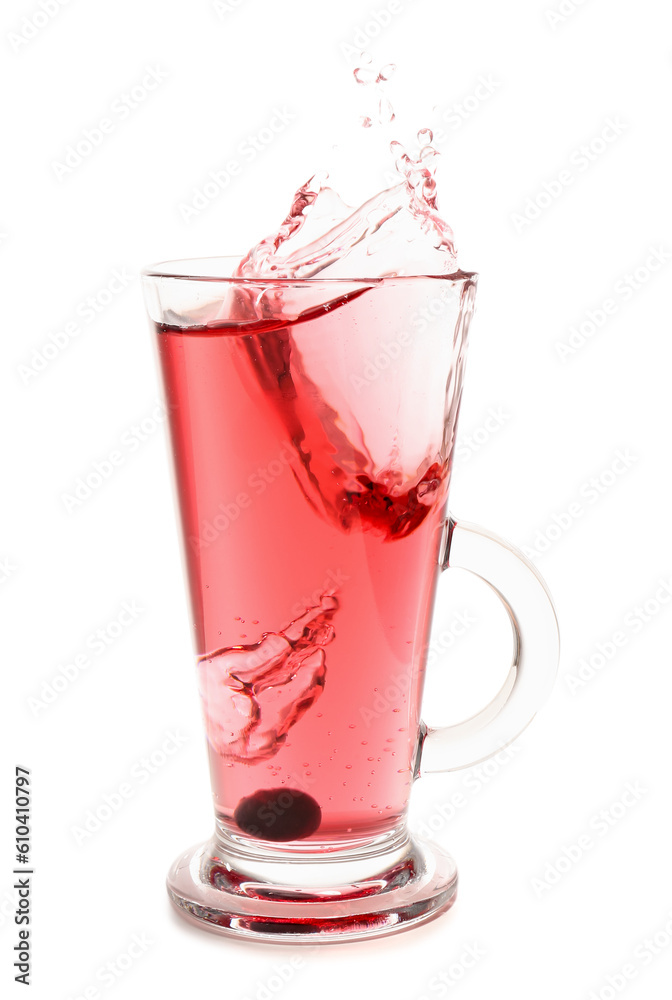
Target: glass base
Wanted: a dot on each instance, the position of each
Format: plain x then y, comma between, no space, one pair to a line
329,895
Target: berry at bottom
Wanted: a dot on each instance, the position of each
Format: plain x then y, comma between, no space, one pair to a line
278,814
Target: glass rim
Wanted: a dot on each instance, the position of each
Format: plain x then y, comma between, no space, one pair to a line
175,269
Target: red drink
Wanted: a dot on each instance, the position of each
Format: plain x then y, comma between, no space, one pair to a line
312,521
313,420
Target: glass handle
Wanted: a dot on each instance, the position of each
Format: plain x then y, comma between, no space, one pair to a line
535,655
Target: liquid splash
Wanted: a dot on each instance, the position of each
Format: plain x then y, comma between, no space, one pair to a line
398,231
252,695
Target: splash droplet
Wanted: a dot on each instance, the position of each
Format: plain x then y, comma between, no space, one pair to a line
385,111
386,73
364,76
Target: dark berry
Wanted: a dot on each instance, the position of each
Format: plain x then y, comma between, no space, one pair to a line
278,814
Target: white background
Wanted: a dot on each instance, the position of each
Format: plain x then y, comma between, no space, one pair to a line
553,82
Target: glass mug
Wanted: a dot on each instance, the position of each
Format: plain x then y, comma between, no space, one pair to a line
313,427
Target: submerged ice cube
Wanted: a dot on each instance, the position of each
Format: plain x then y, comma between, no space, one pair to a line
252,695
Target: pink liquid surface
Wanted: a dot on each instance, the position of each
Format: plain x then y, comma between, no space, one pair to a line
311,575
